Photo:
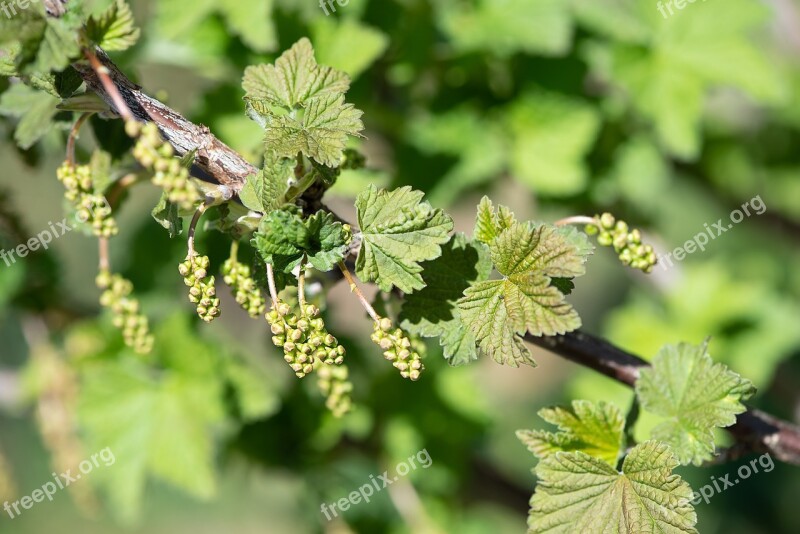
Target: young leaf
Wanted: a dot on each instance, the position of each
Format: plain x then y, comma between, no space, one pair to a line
263,192
490,222
166,214
36,110
295,80
301,105
580,493
284,239
115,29
398,231
498,312
595,429
695,394
320,132
432,311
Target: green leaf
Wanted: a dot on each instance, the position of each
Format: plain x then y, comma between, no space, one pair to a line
295,80
478,143
594,429
508,26
166,214
695,394
347,44
255,394
156,424
115,29
264,192
499,312
36,110
252,20
432,311
551,136
668,75
284,239
579,493
59,44
398,231
320,132
490,222
301,106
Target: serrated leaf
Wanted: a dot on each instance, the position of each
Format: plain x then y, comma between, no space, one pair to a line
490,222
59,44
595,429
320,131
579,493
398,231
166,214
263,192
696,394
115,29
432,311
301,106
36,110
295,80
499,312
284,239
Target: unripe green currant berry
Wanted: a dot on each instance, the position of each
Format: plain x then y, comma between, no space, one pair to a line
607,221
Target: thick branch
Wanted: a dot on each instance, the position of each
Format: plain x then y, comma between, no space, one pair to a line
754,431
223,164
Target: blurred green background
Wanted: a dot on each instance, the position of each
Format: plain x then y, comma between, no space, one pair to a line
553,107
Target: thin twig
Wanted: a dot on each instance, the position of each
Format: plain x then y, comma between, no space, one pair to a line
103,74
102,246
301,287
578,219
193,228
73,135
354,288
273,292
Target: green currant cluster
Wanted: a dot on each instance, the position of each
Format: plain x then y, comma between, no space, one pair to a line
627,243
116,297
244,287
398,349
334,383
304,339
157,155
89,207
201,286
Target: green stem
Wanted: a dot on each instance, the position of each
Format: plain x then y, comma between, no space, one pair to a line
354,288
579,219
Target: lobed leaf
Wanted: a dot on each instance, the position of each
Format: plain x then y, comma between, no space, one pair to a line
695,394
398,231
580,493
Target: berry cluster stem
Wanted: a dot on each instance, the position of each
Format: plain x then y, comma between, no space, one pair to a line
355,289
